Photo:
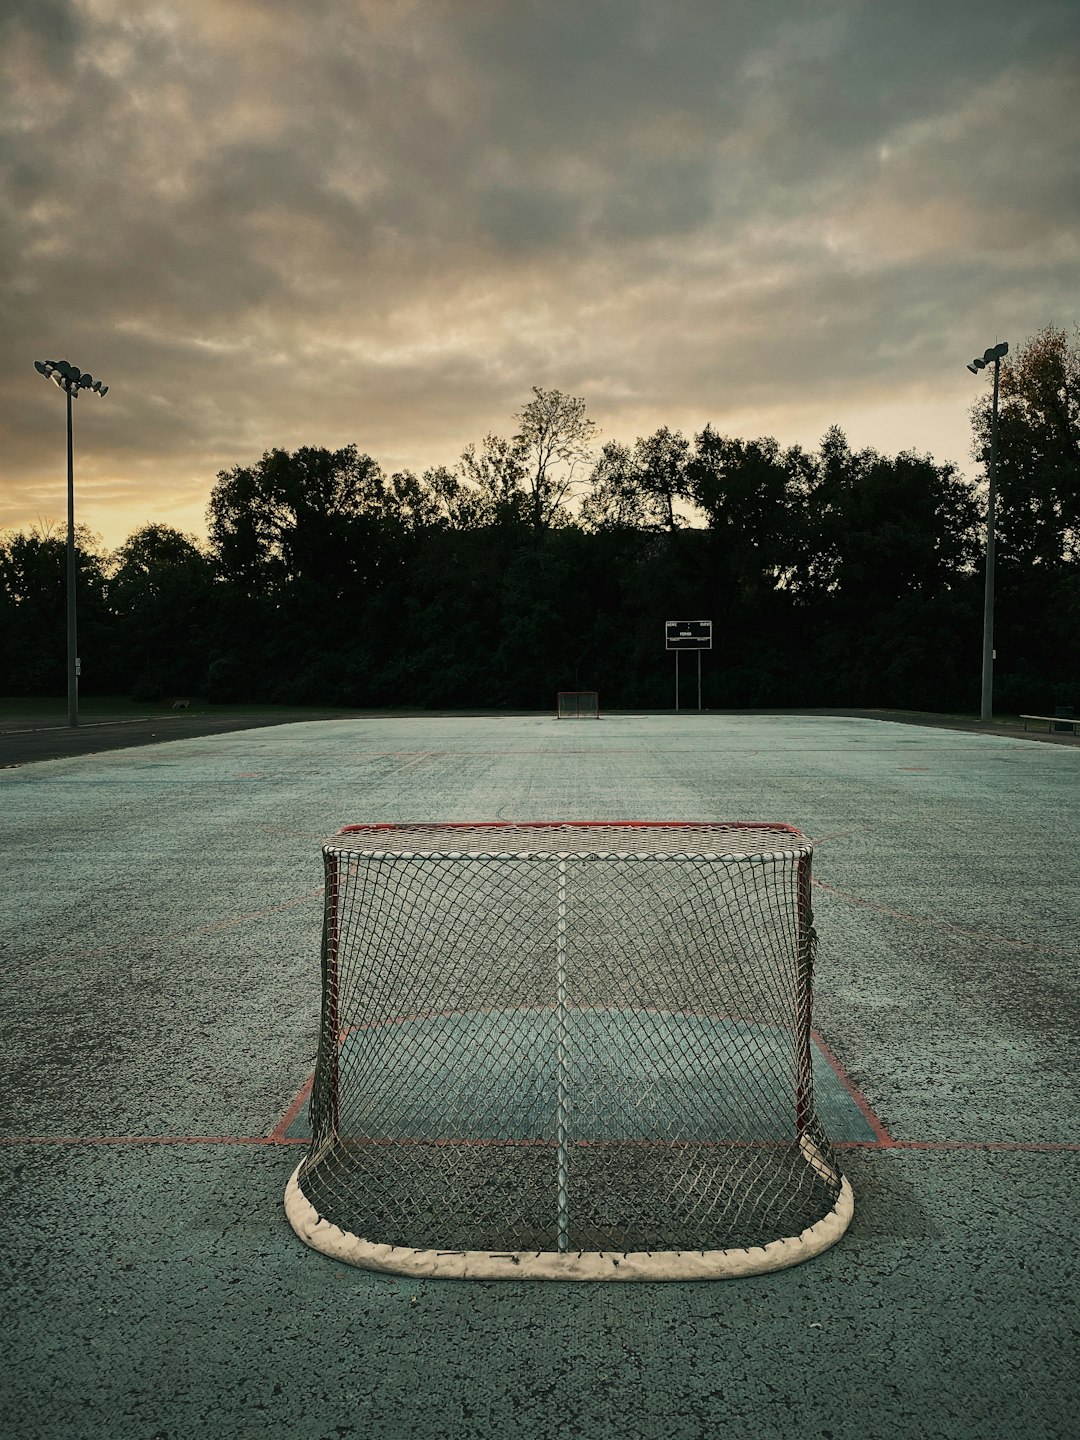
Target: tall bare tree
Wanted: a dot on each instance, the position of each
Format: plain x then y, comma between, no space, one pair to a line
555,437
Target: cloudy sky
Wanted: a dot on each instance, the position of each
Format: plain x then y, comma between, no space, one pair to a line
283,222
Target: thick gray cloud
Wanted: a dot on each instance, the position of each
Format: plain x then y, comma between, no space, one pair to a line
266,224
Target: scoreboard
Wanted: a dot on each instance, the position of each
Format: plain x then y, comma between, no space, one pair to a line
688,634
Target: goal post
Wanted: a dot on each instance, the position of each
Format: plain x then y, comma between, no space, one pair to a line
568,1051
577,705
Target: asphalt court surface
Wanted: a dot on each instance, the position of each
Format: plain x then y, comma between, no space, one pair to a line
25,741
159,932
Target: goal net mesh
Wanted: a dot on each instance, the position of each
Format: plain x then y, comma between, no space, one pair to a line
577,705
561,1041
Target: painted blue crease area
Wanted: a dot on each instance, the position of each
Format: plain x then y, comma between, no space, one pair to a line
632,1075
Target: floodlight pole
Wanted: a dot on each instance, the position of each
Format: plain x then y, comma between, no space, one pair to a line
993,355
987,707
72,630
71,380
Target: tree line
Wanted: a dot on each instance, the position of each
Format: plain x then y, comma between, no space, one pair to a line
542,561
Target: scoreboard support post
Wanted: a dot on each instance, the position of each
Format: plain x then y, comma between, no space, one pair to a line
688,635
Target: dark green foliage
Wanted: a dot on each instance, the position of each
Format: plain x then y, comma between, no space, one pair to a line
33,613
161,596
832,577
1037,614
1038,456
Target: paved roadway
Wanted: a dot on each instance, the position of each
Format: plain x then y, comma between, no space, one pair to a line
27,739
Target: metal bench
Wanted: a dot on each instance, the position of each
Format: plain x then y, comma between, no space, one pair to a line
1052,721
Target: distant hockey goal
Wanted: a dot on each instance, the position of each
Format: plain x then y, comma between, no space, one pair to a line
568,1051
577,705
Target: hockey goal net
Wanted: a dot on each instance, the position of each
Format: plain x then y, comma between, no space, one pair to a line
577,1051
577,705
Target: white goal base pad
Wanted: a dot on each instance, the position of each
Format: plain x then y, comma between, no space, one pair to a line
339,1244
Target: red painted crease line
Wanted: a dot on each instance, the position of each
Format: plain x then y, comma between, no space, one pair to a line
882,1140
1038,1147
881,1135
928,922
149,1140
581,825
279,1133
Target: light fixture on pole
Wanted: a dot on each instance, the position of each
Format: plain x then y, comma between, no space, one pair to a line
993,356
71,380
